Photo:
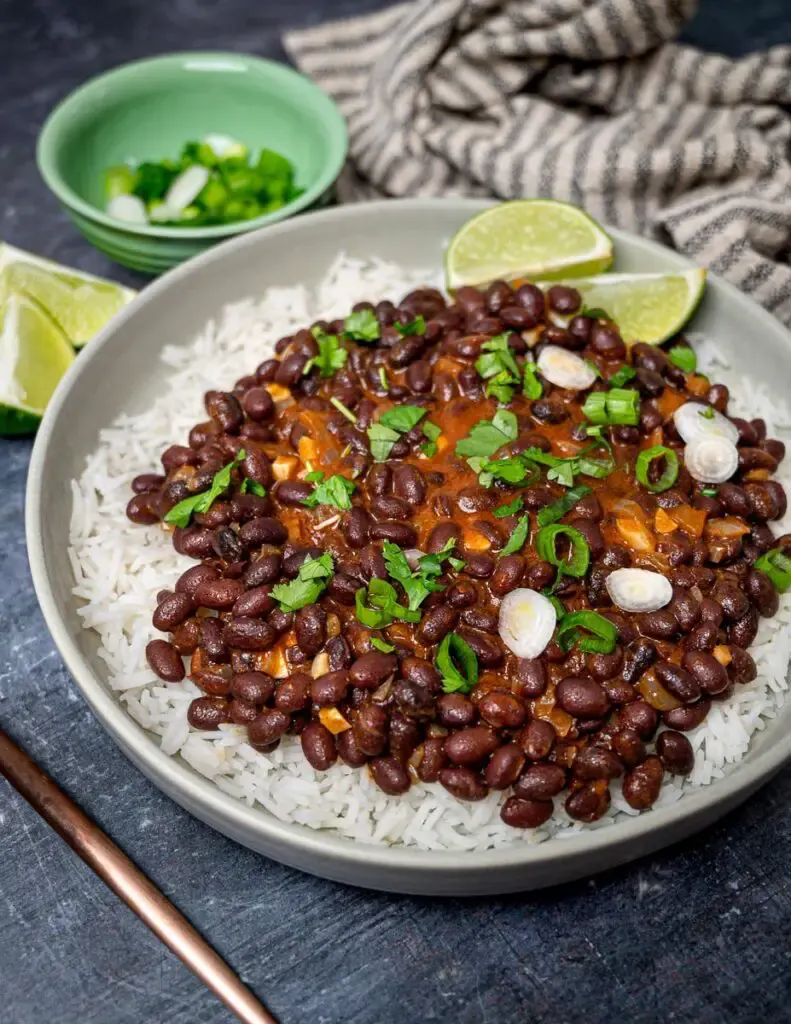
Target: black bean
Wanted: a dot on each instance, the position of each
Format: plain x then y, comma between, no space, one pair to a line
659,625
349,751
290,369
207,713
219,594
343,588
142,509
502,710
265,530
639,717
440,536
549,410
418,670
330,688
409,484
254,603
165,661
629,747
507,574
397,533
742,668
437,623
389,507
687,718
310,626
418,377
172,611
225,409
252,687
589,803
488,649
263,570
258,404
649,383
318,746
413,699
539,575
682,684
520,813
642,784
147,482
257,467
709,674
471,745
597,762
292,492
370,670
249,634
530,677
583,698
463,783
607,341
372,563
390,775
370,729
675,752
615,556
479,566
211,640
762,593
455,710
475,499
763,502
432,760
504,766
267,728
537,739
461,594
481,618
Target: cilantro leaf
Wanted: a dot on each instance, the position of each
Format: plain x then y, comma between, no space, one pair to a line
596,313
498,366
563,473
382,440
684,358
253,487
182,512
336,491
487,436
309,585
457,663
517,539
432,432
421,582
416,326
332,355
532,387
402,417
361,326
707,413
511,509
382,607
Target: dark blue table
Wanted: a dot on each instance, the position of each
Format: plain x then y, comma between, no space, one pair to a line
698,934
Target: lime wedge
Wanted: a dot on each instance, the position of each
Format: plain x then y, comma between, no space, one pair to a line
34,355
646,307
526,238
79,303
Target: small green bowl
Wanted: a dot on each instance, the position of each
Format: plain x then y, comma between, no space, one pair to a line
147,110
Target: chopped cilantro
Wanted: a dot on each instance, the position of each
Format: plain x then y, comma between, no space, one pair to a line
416,326
498,366
336,491
361,326
511,509
684,358
252,487
182,512
432,432
402,417
457,663
487,436
517,539
309,585
332,355
382,645
421,582
532,387
382,606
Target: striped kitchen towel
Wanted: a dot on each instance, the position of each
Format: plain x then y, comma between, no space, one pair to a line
583,100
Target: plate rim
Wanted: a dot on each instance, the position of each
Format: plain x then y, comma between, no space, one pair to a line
175,775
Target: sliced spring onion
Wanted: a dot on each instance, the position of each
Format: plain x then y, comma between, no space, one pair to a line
186,188
617,406
694,420
128,208
527,622
587,630
622,376
684,358
579,555
777,566
551,513
639,590
642,468
711,460
565,369
342,409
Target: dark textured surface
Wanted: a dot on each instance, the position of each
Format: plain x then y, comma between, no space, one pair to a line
698,934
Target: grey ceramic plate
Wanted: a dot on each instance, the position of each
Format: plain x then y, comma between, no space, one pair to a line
120,372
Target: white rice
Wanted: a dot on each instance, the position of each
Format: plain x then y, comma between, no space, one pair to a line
119,567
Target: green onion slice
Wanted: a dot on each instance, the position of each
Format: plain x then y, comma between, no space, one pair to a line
579,556
684,358
669,473
622,376
777,566
559,508
618,406
589,631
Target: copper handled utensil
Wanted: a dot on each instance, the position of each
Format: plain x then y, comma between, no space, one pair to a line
125,879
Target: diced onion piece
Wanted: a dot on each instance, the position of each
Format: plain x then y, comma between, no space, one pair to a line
224,145
711,460
635,533
333,720
186,188
694,421
131,209
565,369
413,556
527,622
727,527
639,590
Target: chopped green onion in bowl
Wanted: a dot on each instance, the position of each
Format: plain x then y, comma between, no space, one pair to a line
214,181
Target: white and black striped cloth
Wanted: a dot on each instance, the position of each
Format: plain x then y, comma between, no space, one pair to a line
582,100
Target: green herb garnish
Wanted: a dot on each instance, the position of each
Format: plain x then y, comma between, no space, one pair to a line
338,404
332,355
252,487
382,440
588,631
181,513
684,358
596,313
384,434
362,326
422,581
511,509
616,406
382,606
382,645
707,413
488,436
416,326
429,448
531,386
457,663
622,376
309,585
517,539
558,509
336,491
498,366
385,383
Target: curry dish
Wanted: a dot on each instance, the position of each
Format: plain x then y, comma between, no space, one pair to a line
482,543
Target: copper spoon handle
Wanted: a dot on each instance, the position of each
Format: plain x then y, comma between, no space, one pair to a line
128,882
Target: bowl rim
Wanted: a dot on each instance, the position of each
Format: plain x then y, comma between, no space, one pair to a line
174,775
51,136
